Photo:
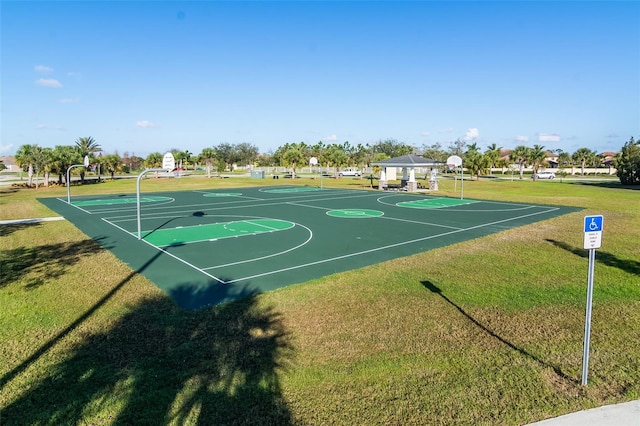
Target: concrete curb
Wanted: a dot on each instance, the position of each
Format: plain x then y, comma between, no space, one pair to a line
625,414
34,220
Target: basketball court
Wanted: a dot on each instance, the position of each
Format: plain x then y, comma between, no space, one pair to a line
211,246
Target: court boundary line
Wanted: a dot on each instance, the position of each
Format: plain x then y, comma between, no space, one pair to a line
203,270
172,255
385,247
221,205
384,216
304,243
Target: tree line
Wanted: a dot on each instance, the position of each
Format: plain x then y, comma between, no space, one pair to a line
45,162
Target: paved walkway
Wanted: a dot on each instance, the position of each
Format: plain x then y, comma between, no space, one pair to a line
34,220
625,414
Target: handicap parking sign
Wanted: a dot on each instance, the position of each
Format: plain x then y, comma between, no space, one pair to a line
593,231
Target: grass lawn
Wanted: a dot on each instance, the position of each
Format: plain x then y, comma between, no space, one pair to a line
489,331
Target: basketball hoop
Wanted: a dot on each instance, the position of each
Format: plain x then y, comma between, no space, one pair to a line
451,166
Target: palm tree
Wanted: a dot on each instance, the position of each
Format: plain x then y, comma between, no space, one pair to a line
493,155
113,164
292,157
520,154
63,157
207,155
564,159
24,158
334,155
153,160
537,157
87,147
475,162
582,156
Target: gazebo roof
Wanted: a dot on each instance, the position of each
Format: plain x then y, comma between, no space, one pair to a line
407,161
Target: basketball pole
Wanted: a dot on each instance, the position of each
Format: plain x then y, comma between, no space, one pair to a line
69,183
461,183
145,171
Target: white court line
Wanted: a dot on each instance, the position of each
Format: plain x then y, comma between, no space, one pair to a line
166,252
203,270
385,247
269,255
227,204
127,206
215,209
72,205
383,217
418,222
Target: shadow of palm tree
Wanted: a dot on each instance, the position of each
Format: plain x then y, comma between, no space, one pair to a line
44,262
630,266
10,228
160,364
435,289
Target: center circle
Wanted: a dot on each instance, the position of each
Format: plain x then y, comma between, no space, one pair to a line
355,213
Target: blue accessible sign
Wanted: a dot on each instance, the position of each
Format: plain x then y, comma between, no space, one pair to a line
593,232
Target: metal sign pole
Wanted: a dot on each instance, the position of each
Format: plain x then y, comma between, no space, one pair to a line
587,322
593,226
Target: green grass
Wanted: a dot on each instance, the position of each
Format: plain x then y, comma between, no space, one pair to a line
483,332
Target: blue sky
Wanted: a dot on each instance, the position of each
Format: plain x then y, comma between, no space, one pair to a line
153,75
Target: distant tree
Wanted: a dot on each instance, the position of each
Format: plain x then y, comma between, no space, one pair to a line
64,156
227,154
519,155
336,157
182,158
113,164
293,157
457,147
24,159
247,153
583,156
153,160
392,148
434,152
493,155
536,157
45,163
207,156
627,163
564,159
475,162
87,147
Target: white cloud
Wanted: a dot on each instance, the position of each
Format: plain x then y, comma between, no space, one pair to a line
545,137
43,69
41,126
49,82
68,100
5,148
523,139
446,130
425,134
471,134
332,137
145,124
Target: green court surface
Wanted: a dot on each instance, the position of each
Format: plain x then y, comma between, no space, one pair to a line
211,246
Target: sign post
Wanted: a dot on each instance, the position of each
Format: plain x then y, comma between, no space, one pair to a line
592,241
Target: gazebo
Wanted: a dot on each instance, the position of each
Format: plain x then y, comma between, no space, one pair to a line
408,164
